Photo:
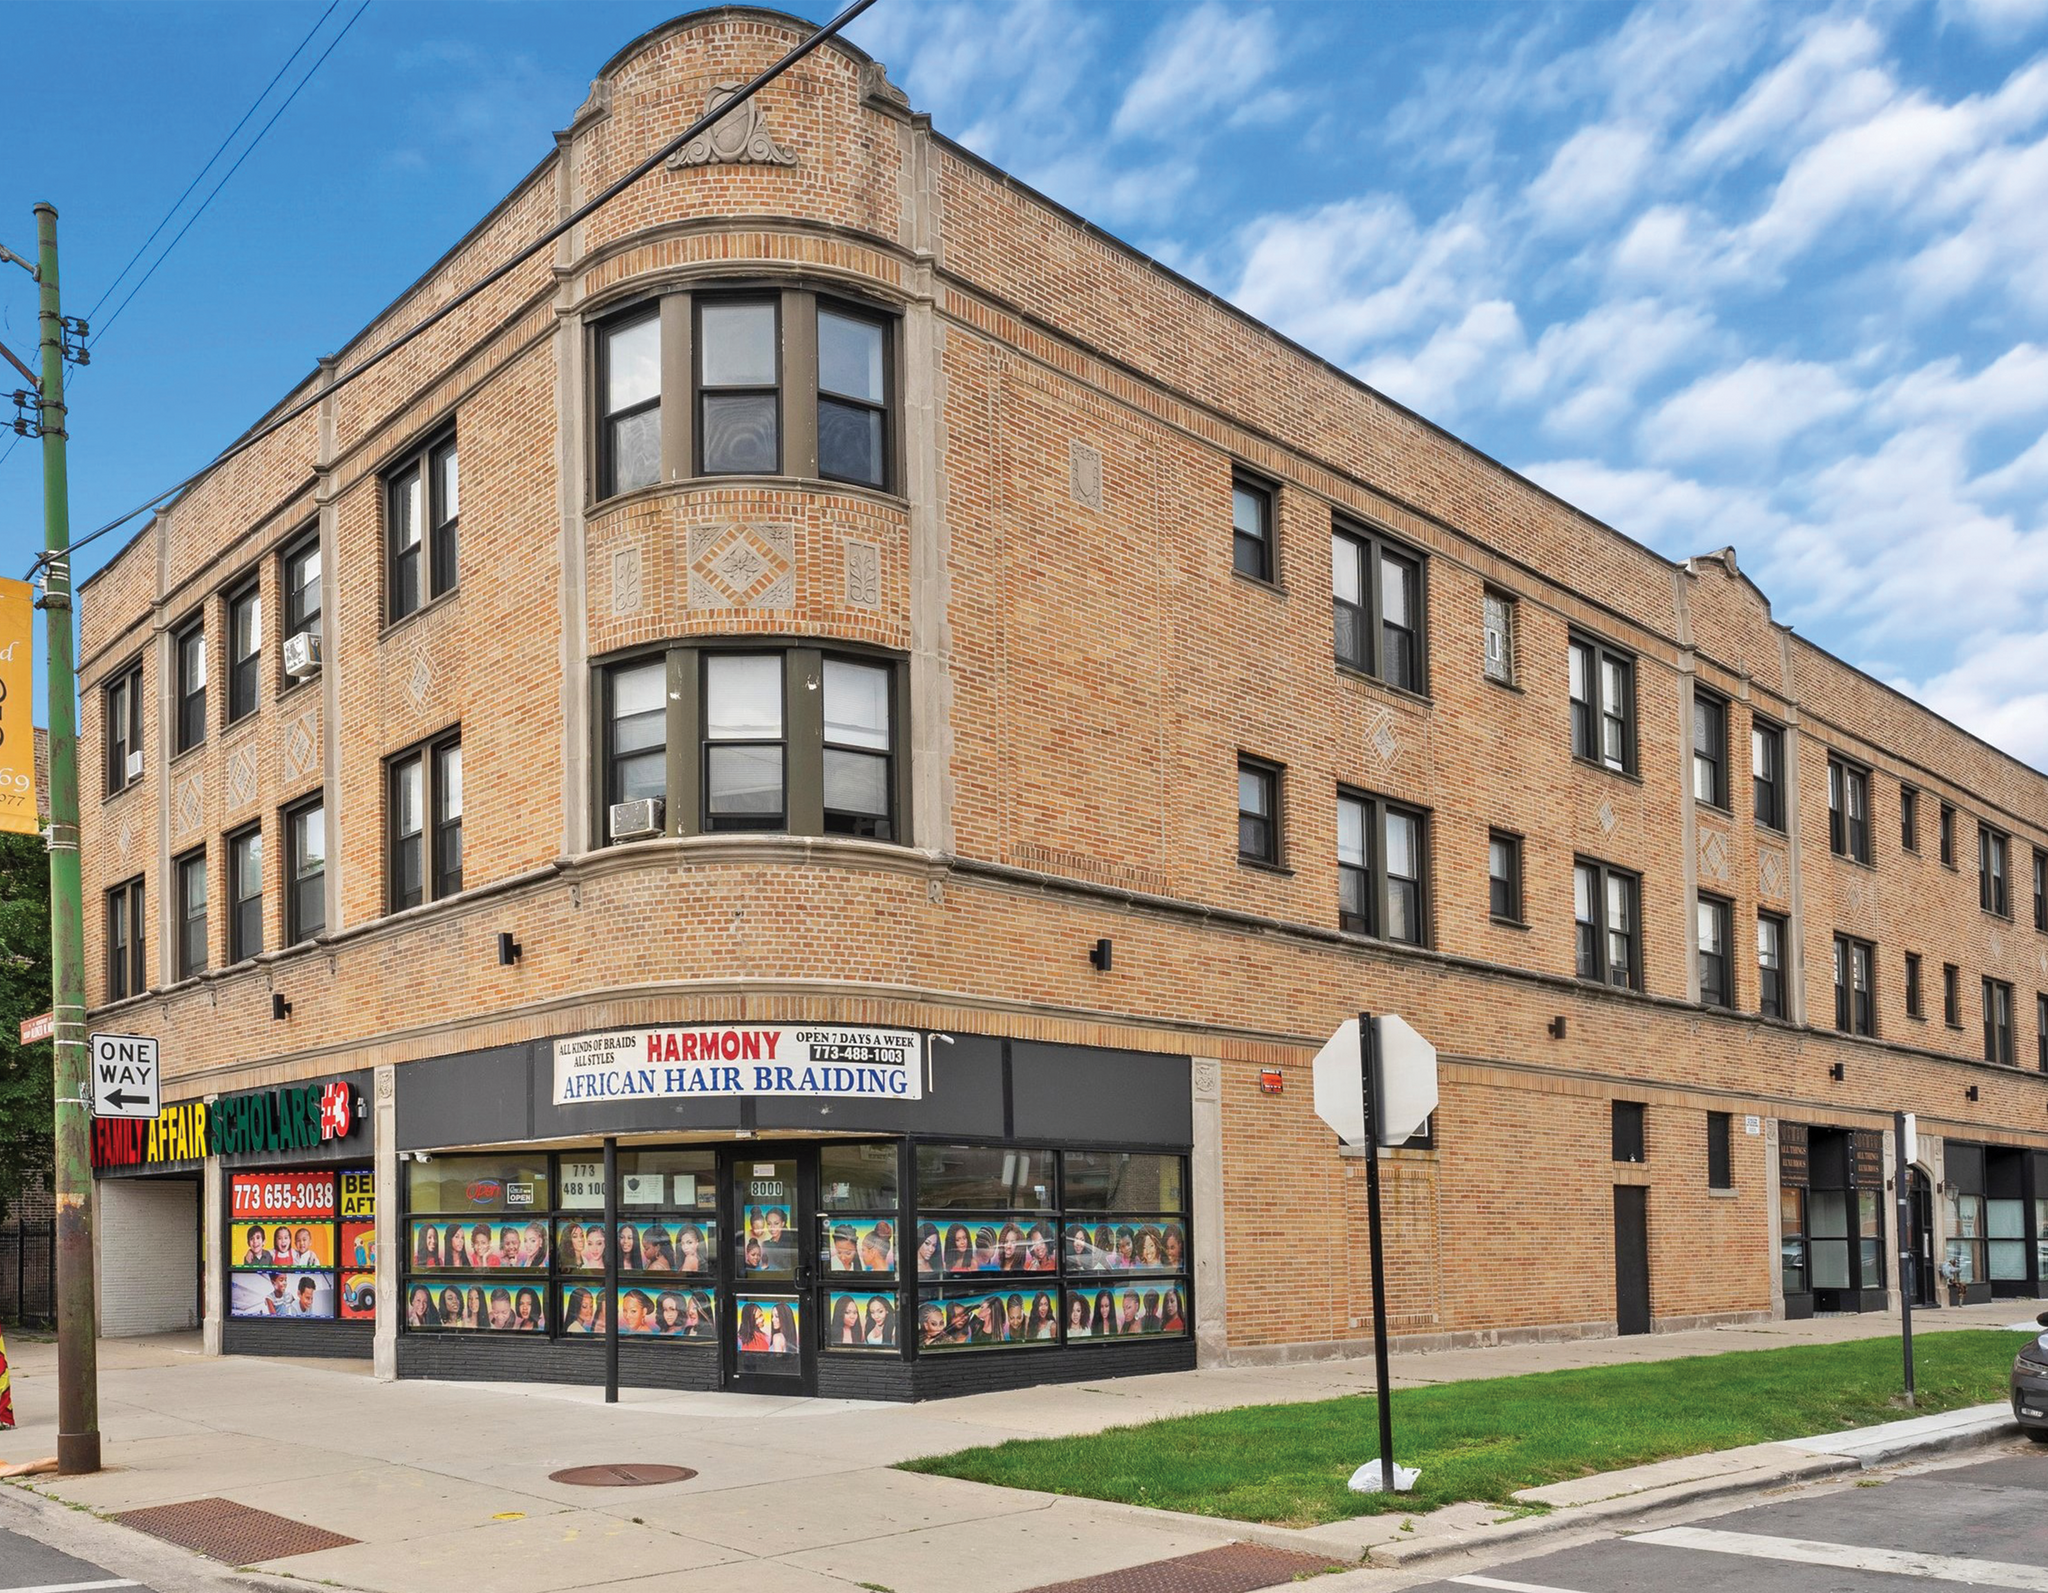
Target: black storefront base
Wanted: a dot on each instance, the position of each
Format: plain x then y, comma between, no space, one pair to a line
289,1336
471,1358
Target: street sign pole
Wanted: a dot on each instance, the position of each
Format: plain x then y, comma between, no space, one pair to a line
1369,1042
1902,1182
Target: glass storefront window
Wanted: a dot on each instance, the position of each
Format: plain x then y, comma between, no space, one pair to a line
302,1245
971,1318
1828,1236
2005,1223
460,1184
1117,1181
983,1178
857,1177
1869,1239
1966,1240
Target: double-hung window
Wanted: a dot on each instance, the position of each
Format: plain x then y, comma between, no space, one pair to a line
744,742
1380,857
1376,603
2041,890
189,655
2041,1032
1951,995
1604,907
1717,966
1855,1001
425,816
191,871
1916,1000
305,871
1767,773
124,728
1994,871
127,970
1504,876
853,404
636,732
1251,528
245,649
1948,835
739,387
1497,625
1998,1045
629,378
1258,811
858,779
1770,966
302,588
1909,819
1848,810
245,893
1603,693
423,503
1709,748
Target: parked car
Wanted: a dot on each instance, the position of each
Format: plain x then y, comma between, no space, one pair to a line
2030,1386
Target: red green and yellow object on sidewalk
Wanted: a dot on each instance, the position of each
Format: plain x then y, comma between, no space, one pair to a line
6,1393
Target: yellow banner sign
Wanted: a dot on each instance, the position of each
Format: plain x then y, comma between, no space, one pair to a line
17,701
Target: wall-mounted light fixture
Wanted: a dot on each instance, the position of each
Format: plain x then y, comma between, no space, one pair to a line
280,1009
1837,1072
1557,1027
1971,1093
1099,954
508,949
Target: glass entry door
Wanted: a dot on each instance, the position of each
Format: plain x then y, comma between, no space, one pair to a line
770,1339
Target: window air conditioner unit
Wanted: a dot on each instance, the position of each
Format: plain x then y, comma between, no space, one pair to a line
134,771
636,821
302,655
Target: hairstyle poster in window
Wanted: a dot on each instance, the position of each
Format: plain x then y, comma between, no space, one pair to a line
1153,1308
582,1309
964,1319
282,1293
683,1313
998,1244
1146,1245
672,1244
359,1245
863,1321
767,1327
480,1244
856,1244
273,1197
282,1244
767,1244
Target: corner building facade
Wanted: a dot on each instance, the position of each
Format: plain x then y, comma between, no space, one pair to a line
805,775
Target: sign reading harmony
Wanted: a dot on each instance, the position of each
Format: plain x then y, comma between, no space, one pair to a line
738,1059
124,1076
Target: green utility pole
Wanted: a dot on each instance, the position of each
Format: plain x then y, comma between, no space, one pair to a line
78,1394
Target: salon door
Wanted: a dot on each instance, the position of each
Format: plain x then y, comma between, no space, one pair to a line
771,1269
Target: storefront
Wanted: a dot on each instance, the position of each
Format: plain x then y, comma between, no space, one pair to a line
1995,1200
1831,1218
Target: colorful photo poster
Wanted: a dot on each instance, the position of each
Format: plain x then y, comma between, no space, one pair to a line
582,1309
994,1244
276,1197
767,1327
930,1256
358,1297
964,1319
475,1305
469,1244
767,1242
668,1245
1151,1244
861,1321
265,1245
1155,1308
359,1246
282,1293
859,1244
357,1195
579,1245
675,1313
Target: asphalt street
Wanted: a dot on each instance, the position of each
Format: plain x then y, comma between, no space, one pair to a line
1983,1523
27,1566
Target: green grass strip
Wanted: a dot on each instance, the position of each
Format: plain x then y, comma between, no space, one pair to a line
1287,1465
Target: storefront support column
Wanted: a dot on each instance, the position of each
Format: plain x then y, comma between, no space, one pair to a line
384,1126
1205,1174
1774,1213
213,1184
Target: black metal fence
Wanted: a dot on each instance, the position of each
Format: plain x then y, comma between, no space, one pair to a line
28,1246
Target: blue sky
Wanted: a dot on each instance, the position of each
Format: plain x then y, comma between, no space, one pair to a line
1727,272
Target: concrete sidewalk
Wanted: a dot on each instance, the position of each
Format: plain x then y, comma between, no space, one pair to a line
447,1480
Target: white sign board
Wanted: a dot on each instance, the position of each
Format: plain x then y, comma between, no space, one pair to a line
739,1059
1912,1138
123,1073
1407,1081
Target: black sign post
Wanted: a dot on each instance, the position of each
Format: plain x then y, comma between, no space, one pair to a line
611,1271
1902,1181
1369,1073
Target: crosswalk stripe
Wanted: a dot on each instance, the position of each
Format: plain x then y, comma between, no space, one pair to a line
1852,1557
1508,1587
72,1587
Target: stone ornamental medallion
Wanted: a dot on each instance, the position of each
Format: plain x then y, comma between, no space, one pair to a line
302,746
743,566
863,575
188,804
1713,855
1084,474
1606,815
738,139
626,581
242,776
1770,872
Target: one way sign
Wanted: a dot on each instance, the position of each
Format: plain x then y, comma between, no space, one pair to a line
124,1076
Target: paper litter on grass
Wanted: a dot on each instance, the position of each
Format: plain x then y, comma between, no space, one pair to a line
1366,1479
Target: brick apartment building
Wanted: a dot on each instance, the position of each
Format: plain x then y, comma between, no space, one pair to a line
916,721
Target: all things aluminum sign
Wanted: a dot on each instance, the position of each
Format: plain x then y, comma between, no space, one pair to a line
738,1059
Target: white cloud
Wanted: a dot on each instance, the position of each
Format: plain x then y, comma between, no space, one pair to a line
2012,386
1197,63
2000,20
1748,411
1429,381
1999,690
1590,177
1830,79
1672,513
1585,373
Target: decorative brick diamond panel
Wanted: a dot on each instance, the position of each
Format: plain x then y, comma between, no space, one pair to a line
1713,856
188,804
302,746
743,566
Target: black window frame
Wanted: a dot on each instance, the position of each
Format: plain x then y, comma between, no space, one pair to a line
1994,870
1773,990
699,392
1272,775
1594,959
419,576
1999,1042
2041,890
300,617
1716,969
1767,746
743,822
1951,995
1504,905
1855,1007
1377,636
245,913
1256,547
1721,1152
1848,835
121,713
297,927
821,306
189,660
610,420
1916,994
1627,1128
126,920
439,837
844,821
244,694
192,947
1591,714
2041,1030
1909,819
1376,877
1948,835
1505,673
1710,725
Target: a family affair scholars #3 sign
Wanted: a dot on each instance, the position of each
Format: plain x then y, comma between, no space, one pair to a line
738,1059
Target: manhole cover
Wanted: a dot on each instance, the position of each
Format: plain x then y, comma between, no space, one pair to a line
234,1534
632,1475
1234,1568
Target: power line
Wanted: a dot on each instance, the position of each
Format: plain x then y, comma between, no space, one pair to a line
199,175
115,315
497,274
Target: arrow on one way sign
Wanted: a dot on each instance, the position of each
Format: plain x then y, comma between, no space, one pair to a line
124,1075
